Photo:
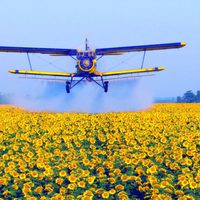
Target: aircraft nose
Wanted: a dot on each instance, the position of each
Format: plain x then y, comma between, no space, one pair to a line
86,62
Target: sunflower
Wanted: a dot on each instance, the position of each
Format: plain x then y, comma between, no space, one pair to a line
62,173
152,170
71,186
88,193
34,174
39,189
193,185
59,181
81,184
91,179
119,187
22,176
105,195
163,184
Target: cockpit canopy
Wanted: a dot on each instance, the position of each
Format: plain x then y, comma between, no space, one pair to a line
86,54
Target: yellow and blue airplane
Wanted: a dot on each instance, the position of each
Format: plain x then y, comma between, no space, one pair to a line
87,62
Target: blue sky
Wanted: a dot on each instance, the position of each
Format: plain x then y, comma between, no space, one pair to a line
64,24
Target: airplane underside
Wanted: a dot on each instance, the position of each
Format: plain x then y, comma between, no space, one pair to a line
72,83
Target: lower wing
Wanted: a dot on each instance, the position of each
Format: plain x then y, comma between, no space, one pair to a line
30,72
97,74
132,71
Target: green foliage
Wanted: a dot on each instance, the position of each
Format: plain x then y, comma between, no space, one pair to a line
189,97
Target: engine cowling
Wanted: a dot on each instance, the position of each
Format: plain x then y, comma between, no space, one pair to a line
86,64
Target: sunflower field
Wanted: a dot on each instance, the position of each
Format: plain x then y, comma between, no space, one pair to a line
152,154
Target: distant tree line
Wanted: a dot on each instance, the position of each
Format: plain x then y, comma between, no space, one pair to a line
189,97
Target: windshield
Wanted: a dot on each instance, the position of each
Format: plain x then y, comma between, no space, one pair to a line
85,54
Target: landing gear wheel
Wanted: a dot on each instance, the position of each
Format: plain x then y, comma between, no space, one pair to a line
105,86
68,87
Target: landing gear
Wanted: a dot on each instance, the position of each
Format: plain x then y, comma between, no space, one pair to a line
68,86
105,86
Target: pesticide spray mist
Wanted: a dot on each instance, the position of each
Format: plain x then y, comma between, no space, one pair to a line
86,97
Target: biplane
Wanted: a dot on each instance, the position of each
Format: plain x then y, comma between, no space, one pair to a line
86,62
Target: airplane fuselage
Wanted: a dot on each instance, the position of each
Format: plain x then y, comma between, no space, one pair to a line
86,62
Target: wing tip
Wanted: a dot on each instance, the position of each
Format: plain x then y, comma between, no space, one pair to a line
161,68
183,44
13,71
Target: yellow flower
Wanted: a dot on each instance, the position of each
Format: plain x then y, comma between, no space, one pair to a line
117,171
3,181
58,197
22,176
62,173
81,184
88,193
26,189
48,186
183,183
99,191
87,198
123,196
72,178
71,186
43,198
105,195
86,162
91,179
112,191
179,192
152,179
63,190
163,184
124,178
112,180
5,157
193,185
15,186
31,198
92,140
38,189
186,197
6,193
34,174
119,187
100,170
59,181
152,170
30,154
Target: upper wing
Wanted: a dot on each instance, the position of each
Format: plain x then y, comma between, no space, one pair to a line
54,51
30,72
132,71
121,50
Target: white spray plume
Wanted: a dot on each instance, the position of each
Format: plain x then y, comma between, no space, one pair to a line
86,97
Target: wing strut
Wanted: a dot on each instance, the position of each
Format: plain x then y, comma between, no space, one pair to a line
29,60
143,58
100,57
73,58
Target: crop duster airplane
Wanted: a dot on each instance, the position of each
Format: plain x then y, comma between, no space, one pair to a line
86,67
